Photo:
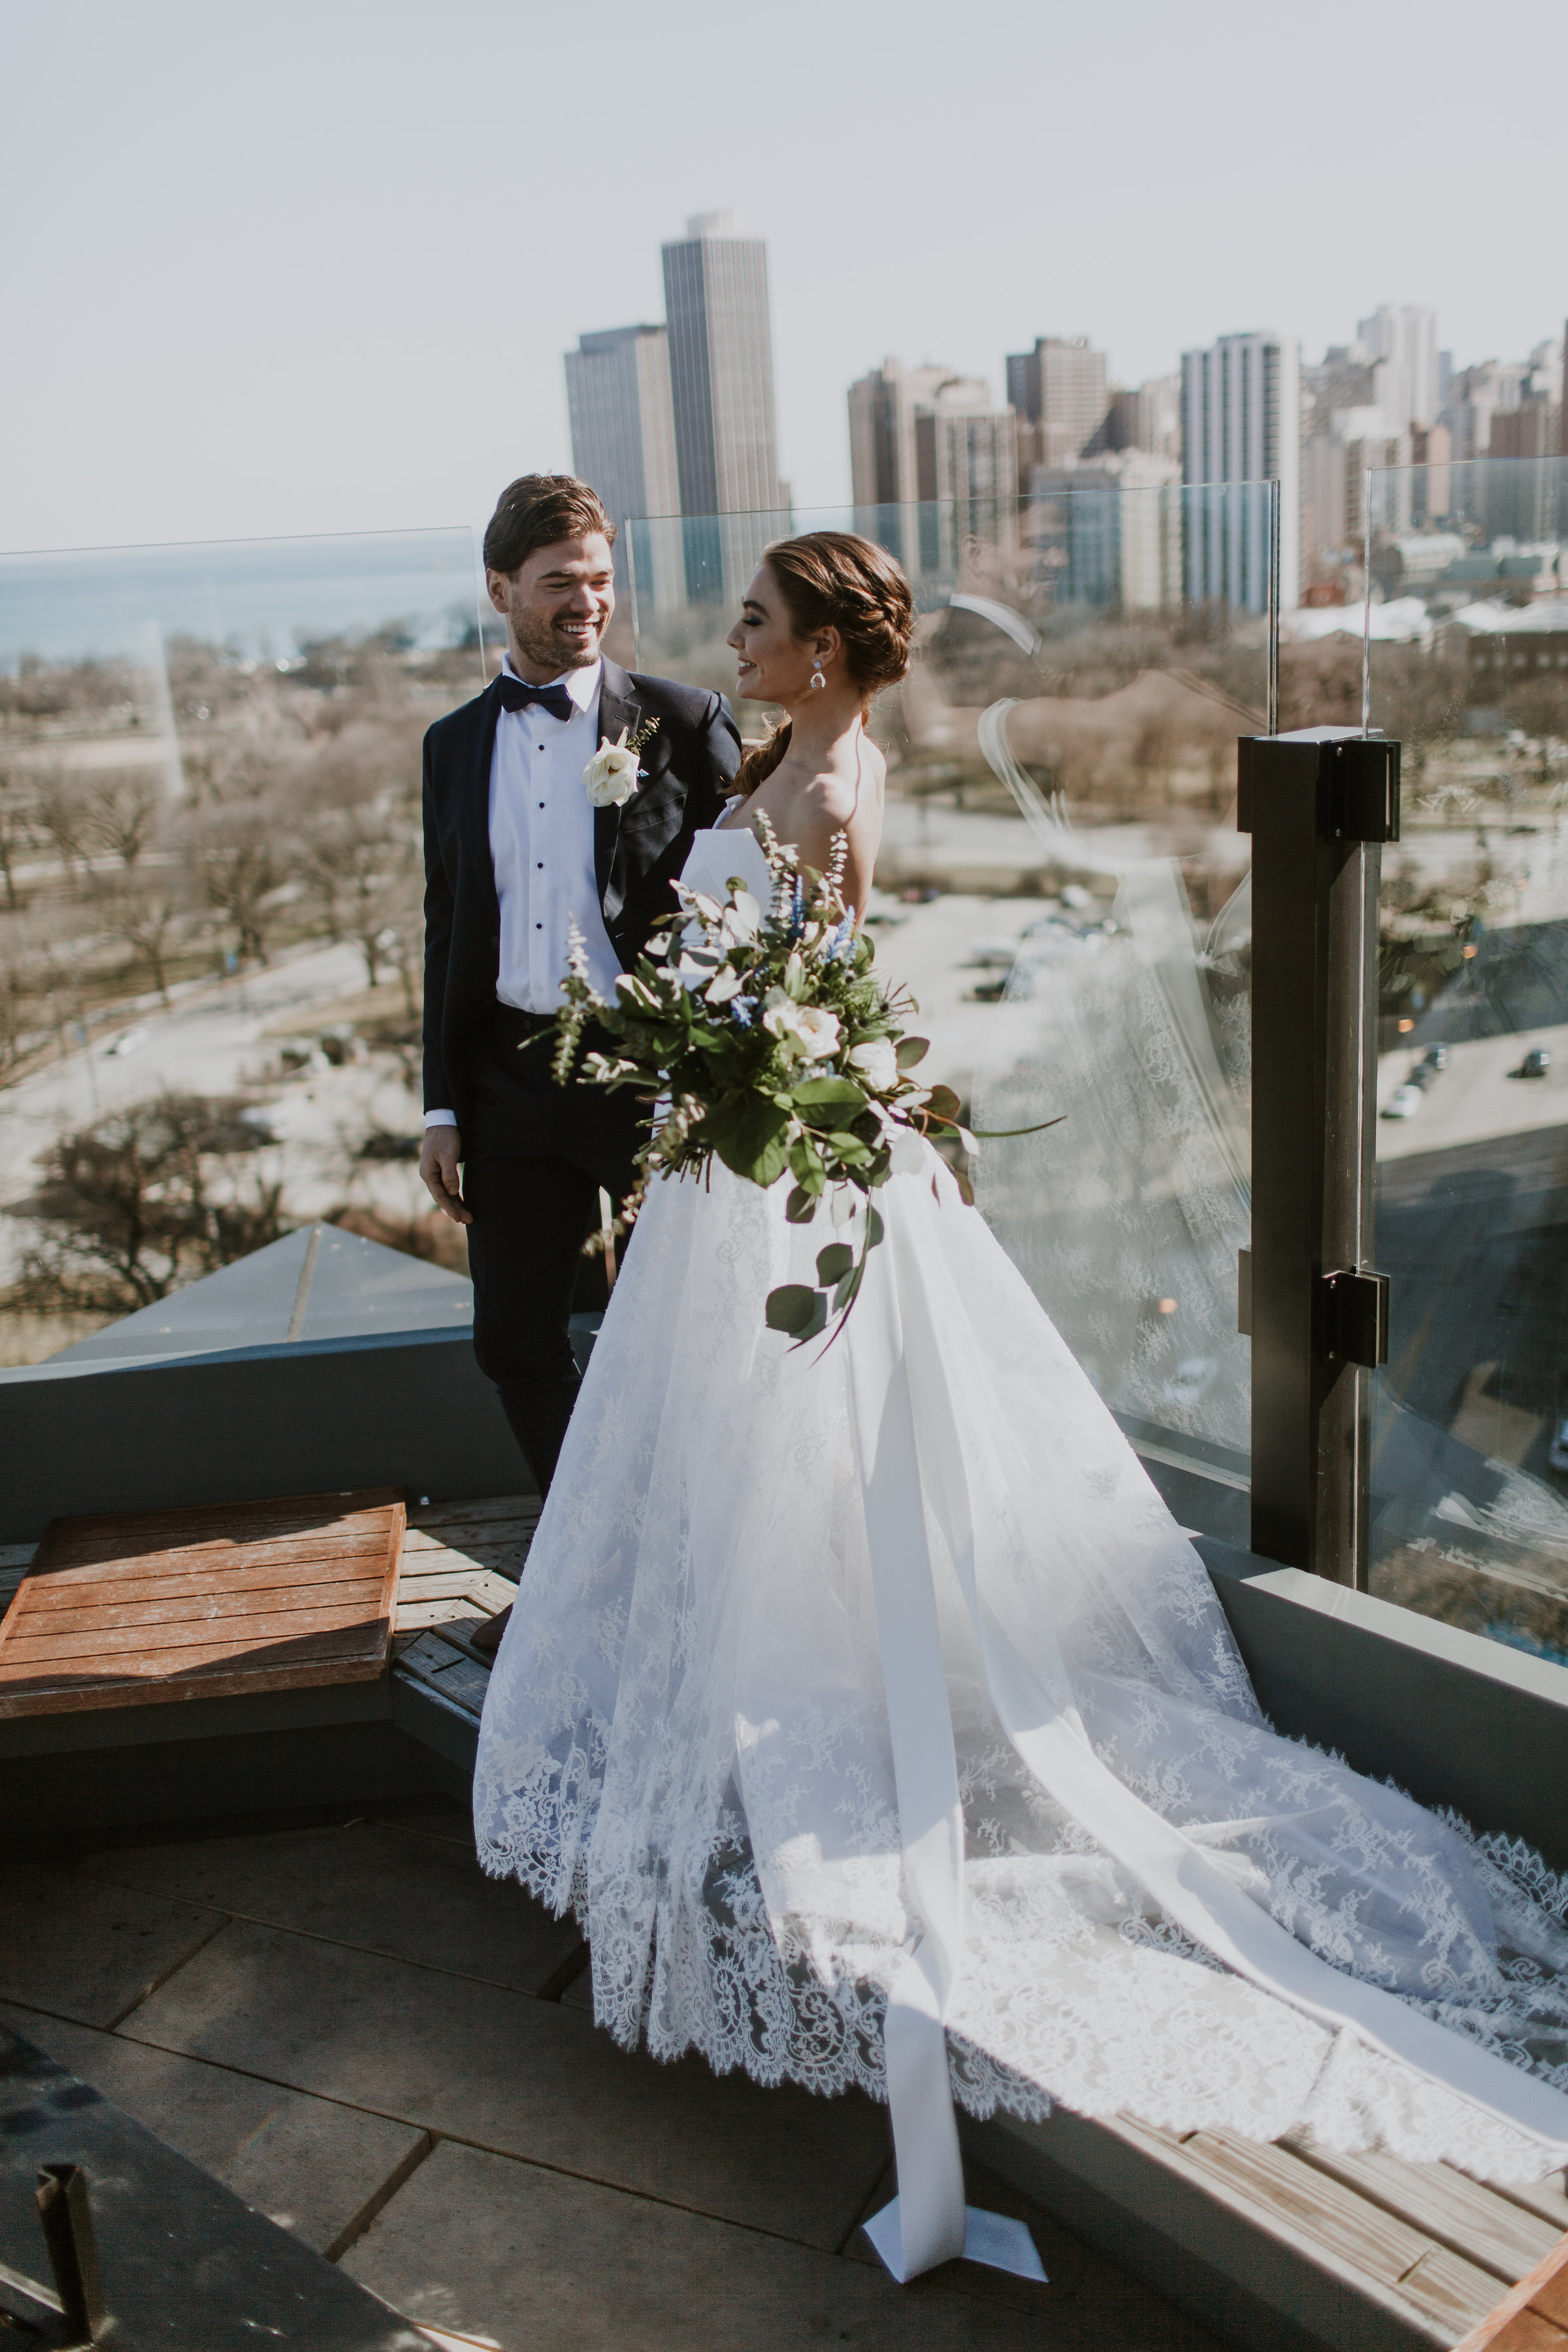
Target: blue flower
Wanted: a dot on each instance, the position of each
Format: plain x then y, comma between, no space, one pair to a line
742,1007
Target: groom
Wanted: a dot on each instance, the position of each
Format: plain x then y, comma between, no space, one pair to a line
514,849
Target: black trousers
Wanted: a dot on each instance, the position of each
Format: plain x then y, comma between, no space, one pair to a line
535,1156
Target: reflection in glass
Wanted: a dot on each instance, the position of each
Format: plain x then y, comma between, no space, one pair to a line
1062,886
1468,657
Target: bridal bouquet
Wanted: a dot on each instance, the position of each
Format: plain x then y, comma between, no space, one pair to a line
768,1042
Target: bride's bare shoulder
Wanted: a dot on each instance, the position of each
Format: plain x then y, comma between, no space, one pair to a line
842,799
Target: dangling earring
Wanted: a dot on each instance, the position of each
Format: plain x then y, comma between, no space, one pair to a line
816,677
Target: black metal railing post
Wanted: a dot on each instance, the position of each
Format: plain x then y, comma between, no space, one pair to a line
1318,805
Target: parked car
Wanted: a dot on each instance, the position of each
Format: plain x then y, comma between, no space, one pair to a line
1536,1063
1402,1103
1557,1451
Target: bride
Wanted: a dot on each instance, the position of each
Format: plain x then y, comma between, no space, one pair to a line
880,1726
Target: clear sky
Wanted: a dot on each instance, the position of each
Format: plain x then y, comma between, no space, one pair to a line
312,266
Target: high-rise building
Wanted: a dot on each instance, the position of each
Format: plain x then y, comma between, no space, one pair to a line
1147,416
929,440
1107,532
882,469
721,383
1058,393
623,420
623,442
1241,425
1400,343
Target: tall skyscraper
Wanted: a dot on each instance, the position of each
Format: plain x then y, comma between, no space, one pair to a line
1241,425
623,442
623,420
721,368
1058,393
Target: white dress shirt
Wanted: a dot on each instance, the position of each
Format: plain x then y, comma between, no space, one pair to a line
542,846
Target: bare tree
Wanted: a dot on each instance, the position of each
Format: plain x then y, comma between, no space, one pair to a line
120,811
146,919
138,1203
18,833
239,867
352,860
62,815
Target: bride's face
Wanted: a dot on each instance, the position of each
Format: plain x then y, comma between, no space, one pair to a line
776,665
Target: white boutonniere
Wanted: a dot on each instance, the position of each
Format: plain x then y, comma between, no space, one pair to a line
612,774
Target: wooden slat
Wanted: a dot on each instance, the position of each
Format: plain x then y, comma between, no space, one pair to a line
1462,2214
124,1608
68,1632
320,1657
1314,2206
206,1562
138,1638
277,1512
1546,2197
51,1598
1535,2318
430,1660
470,1511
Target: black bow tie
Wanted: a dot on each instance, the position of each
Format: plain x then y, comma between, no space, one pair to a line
516,694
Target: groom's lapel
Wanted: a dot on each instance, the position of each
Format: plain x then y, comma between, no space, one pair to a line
619,708
476,795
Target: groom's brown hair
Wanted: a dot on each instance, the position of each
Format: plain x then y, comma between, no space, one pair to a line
537,510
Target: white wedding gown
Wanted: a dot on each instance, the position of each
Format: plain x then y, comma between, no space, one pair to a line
880,1727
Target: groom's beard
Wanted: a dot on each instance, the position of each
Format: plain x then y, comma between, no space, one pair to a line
549,647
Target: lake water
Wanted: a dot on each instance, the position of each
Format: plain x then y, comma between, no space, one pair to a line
262,595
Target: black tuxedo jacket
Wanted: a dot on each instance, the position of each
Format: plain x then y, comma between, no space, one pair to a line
639,848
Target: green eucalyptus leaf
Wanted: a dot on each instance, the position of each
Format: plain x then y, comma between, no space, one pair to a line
849,1284
801,1206
943,1102
828,1102
875,1228
750,1135
912,1050
792,1307
818,1320
834,1263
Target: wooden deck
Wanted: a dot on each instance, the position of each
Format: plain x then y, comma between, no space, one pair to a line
217,1601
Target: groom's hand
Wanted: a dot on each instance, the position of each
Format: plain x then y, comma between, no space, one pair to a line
439,1167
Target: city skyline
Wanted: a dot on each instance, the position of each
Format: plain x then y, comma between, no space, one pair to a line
318,308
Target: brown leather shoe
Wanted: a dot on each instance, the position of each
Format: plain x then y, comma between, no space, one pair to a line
486,1638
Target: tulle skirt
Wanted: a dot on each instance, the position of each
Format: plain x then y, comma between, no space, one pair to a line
686,1737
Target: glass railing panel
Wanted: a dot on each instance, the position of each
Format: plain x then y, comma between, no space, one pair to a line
1063,890
210,883
1467,662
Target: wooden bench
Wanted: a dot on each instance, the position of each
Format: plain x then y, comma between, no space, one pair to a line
216,1600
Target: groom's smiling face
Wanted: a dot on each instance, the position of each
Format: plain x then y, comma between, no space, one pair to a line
557,605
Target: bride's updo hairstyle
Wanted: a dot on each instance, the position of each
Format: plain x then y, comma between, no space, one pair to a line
834,579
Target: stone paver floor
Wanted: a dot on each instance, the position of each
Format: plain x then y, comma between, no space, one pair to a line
379,2048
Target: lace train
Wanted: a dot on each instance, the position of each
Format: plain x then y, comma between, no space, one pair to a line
687,1742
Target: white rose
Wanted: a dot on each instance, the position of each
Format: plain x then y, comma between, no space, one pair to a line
818,1031
780,1013
610,777
876,1062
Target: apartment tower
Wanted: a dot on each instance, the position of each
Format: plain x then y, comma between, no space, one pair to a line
623,442
1241,427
